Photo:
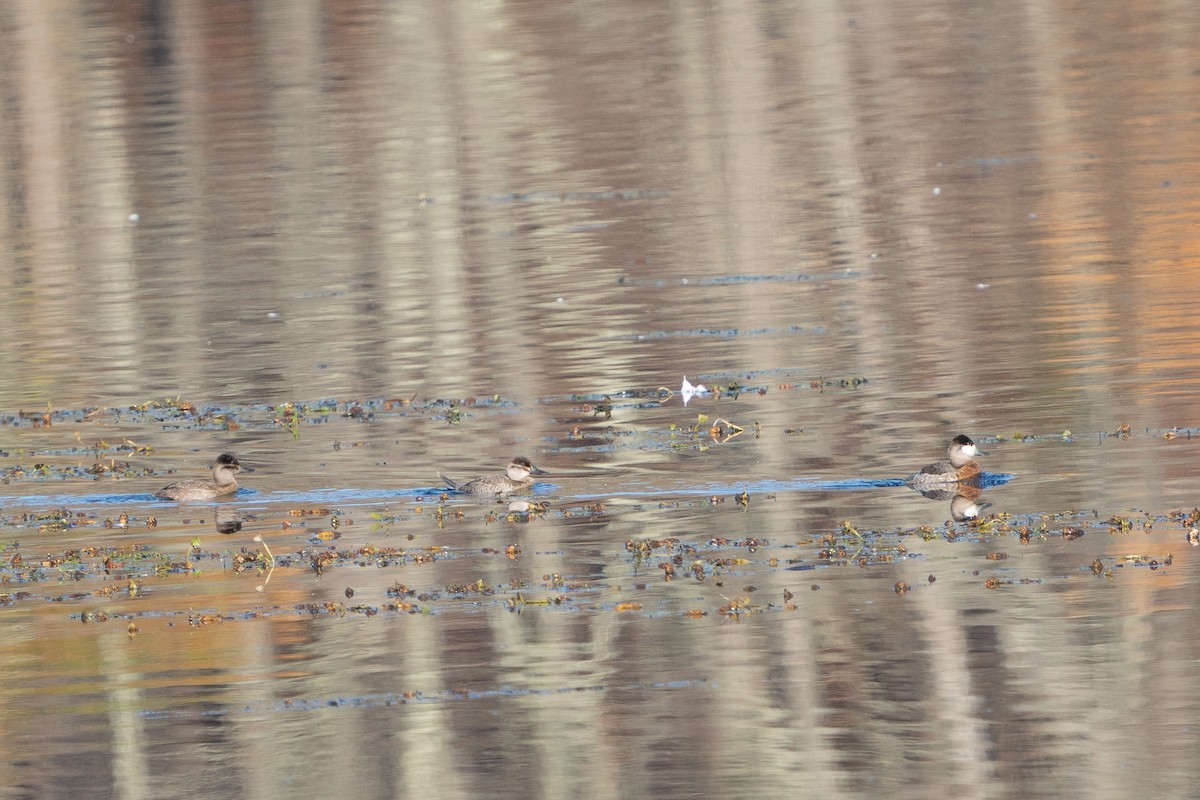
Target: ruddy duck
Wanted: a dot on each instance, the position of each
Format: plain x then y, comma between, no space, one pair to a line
516,477
222,483
960,468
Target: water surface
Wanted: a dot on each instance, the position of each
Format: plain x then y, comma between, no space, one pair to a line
359,245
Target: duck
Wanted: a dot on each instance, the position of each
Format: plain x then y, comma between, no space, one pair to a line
222,483
517,477
961,468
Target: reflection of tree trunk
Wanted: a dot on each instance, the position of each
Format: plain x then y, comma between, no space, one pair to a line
38,68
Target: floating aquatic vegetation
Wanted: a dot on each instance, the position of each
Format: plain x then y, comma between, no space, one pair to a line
604,407
722,431
288,417
34,419
46,471
645,547
738,607
1120,522
1143,560
172,412
695,562
820,384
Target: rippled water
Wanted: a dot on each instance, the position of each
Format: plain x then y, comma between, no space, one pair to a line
363,244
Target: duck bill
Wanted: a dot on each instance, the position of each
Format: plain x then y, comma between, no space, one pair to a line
535,471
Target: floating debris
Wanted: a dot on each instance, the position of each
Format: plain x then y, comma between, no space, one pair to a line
687,391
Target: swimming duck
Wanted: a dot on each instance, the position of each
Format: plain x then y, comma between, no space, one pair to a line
223,483
960,468
516,478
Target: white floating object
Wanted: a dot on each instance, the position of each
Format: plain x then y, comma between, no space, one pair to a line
687,391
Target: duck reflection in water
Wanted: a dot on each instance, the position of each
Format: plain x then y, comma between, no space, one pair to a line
524,510
228,520
966,501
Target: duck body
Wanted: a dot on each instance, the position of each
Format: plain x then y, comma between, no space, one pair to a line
517,477
223,482
961,468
